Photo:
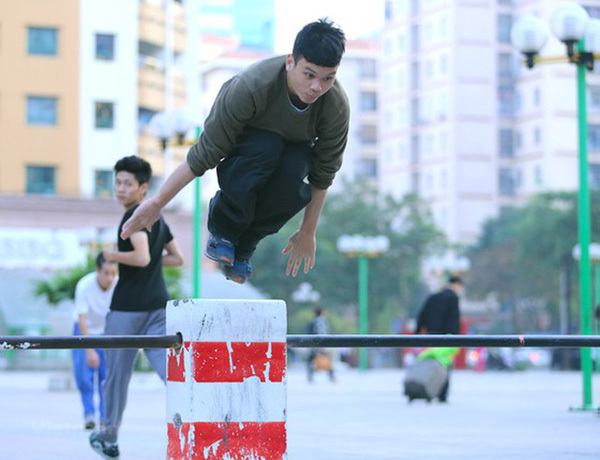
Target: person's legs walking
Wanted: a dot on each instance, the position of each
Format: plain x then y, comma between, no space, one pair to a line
84,379
156,325
101,377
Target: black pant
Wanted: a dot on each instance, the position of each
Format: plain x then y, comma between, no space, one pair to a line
262,187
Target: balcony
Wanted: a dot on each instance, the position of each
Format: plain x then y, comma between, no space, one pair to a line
151,89
151,24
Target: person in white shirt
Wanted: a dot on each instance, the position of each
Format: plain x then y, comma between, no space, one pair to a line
93,294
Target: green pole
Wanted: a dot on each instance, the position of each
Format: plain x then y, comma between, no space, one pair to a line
363,308
585,315
197,231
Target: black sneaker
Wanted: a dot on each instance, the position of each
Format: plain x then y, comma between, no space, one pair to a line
104,450
90,422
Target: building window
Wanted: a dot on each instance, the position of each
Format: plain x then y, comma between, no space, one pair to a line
368,134
594,98
507,182
594,137
144,117
105,115
506,143
366,167
594,176
105,47
538,176
103,184
368,101
506,100
505,65
41,180
537,135
41,111
368,68
42,41
504,25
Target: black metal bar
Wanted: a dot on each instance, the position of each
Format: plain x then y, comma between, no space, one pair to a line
308,341
89,341
381,341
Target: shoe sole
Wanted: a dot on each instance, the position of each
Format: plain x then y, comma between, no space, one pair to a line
222,260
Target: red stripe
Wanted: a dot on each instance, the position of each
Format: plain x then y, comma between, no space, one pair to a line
176,363
237,440
215,362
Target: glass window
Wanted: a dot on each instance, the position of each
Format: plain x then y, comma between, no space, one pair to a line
41,110
105,47
368,134
537,135
103,184
594,176
105,115
506,100
42,41
41,180
594,137
368,68
594,97
505,65
507,182
368,101
504,25
506,143
366,167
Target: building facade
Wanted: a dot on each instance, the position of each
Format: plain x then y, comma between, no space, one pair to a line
464,125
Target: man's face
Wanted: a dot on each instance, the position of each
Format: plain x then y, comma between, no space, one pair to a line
128,190
107,274
306,81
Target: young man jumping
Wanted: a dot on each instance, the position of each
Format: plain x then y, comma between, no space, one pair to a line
276,134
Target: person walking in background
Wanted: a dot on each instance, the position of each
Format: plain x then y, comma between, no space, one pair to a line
139,301
276,134
319,359
440,314
93,294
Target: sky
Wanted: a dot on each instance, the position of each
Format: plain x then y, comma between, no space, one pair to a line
356,19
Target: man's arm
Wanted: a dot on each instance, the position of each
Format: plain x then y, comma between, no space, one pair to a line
139,257
149,211
302,244
172,256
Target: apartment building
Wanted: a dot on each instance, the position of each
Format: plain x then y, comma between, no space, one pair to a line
80,81
464,125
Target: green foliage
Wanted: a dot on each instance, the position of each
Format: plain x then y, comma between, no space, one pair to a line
520,253
394,281
61,286
172,277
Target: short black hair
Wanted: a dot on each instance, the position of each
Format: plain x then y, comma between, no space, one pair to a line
137,166
321,43
101,260
454,279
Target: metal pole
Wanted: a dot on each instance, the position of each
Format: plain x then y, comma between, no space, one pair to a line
197,231
584,234
363,307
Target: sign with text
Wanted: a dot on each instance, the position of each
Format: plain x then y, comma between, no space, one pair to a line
42,248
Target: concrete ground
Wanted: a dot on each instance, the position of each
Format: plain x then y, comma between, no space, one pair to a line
491,415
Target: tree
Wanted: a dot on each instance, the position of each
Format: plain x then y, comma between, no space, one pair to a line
521,253
394,281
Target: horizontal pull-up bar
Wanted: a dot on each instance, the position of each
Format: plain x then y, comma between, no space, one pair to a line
308,341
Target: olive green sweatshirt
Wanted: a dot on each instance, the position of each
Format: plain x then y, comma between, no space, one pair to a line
258,97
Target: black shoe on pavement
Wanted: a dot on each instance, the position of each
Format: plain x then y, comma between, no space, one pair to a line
103,449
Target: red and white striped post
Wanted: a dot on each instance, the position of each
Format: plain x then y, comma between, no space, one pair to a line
226,387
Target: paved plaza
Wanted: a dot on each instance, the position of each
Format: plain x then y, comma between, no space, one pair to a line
491,415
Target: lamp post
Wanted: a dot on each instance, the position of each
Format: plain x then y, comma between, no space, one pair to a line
571,24
363,247
164,126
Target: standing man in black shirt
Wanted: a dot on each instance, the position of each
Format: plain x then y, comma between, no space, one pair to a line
139,301
440,314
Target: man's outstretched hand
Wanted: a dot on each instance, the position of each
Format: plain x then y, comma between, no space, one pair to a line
301,247
143,217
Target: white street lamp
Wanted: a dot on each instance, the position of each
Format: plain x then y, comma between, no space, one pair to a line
568,24
529,35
